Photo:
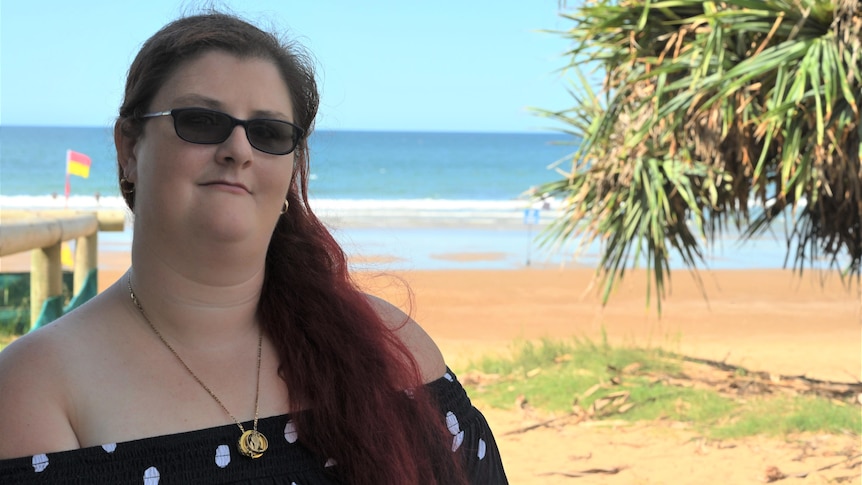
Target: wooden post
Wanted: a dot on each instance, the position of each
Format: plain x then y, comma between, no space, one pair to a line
46,278
43,232
86,259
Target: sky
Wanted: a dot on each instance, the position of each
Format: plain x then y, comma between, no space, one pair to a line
385,65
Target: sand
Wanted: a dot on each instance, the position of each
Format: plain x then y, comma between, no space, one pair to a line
771,320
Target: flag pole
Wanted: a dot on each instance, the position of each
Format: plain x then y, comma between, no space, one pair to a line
68,182
76,164
68,189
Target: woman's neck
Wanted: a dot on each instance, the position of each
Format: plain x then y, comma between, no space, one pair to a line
206,303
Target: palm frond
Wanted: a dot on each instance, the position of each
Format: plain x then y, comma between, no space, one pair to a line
709,110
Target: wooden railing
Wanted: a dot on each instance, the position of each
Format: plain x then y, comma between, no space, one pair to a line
43,233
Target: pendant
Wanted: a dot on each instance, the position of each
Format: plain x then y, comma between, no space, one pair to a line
252,444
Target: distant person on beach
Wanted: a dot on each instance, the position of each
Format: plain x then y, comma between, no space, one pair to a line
236,348
544,202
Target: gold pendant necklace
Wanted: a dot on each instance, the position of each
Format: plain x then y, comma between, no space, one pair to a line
252,443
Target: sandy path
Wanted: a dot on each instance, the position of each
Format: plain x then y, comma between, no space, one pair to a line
663,453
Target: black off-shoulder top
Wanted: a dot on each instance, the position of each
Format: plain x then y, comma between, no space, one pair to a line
210,455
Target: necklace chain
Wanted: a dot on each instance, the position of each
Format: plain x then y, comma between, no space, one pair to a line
257,449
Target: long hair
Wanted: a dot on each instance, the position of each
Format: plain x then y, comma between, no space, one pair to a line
356,393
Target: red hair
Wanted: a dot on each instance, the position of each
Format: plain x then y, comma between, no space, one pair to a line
346,371
338,358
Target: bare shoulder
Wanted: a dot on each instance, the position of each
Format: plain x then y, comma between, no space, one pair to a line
425,351
34,414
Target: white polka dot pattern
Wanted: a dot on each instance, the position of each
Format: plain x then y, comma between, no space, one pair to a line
329,462
151,476
457,440
222,456
290,433
40,462
110,447
455,429
452,423
482,449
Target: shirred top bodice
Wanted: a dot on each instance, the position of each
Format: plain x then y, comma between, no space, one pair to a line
210,455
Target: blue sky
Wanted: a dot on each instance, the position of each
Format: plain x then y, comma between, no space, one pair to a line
448,65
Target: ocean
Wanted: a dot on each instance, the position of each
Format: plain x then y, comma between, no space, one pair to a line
401,200
382,166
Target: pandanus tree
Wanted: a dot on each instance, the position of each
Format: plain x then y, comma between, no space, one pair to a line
711,116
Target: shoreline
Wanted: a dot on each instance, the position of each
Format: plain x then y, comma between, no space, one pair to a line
486,236
760,319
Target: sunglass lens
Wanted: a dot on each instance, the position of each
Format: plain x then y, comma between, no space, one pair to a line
203,126
271,136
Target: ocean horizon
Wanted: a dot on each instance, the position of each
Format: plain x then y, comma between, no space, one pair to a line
421,199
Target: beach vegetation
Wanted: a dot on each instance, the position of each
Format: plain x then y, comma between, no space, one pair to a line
557,381
14,303
785,415
698,120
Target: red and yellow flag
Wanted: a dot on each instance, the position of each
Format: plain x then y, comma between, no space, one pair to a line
77,164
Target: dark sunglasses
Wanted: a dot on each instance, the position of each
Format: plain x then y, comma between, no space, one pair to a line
208,127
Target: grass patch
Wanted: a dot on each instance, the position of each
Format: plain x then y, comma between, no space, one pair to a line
554,374
779,416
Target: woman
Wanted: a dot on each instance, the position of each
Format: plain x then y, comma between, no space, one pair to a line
236,348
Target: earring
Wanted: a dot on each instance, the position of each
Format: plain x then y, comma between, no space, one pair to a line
286,206
126,186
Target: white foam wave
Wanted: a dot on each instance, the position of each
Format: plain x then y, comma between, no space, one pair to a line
417,204
51,202
364,211
318,205
425,210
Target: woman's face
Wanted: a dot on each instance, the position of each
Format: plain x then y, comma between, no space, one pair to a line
227,192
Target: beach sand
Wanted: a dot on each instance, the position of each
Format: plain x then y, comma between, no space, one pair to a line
770,320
